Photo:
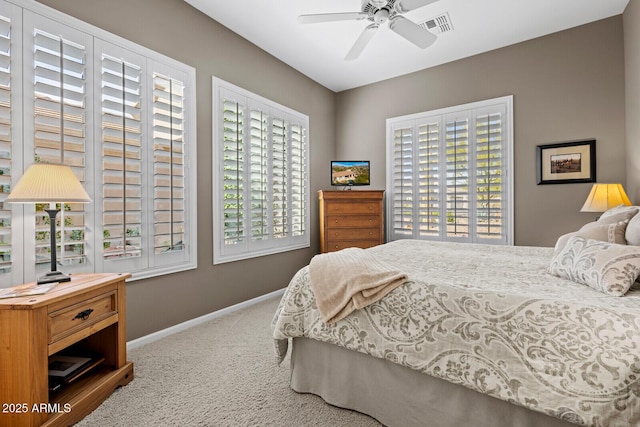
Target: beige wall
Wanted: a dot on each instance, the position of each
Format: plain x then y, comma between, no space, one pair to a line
566,86
631,24
174,28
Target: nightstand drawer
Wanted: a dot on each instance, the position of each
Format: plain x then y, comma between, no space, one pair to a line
71,319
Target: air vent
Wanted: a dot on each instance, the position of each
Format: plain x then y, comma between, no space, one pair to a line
438,25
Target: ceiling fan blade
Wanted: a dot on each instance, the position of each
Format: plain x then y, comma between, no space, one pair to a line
411,31
331,17
361,43
408,5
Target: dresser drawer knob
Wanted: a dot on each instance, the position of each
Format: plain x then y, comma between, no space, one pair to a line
84,315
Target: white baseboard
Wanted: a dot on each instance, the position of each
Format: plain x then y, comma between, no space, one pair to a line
139,342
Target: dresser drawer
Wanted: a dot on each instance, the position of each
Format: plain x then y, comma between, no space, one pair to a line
339,245
334,221
76,317
335,234
352,208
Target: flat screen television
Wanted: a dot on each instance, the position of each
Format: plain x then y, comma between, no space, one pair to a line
350,172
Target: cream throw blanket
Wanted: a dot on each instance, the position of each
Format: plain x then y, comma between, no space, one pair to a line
350,279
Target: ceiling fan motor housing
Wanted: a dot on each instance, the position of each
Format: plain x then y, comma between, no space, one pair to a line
381,16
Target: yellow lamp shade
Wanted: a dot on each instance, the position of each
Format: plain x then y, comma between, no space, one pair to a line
605,196
43,182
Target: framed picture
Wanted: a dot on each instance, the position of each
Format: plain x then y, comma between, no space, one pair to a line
566,162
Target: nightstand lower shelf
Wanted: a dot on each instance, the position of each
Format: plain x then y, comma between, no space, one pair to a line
86,394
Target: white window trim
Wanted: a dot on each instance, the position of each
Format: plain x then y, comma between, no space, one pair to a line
271,246
413,119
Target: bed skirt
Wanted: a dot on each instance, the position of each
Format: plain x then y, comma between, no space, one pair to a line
399,396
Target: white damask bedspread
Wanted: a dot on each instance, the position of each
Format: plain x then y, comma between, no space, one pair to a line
492,319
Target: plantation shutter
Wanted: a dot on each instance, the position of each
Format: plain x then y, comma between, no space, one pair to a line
403,198
80,96
280,175
458,170
428,179
169,167
261,203
490,183
449,177
298,180
121,170
10,158
59,111
233,167
259,174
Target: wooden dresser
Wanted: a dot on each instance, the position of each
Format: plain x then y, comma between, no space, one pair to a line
350,219
85,316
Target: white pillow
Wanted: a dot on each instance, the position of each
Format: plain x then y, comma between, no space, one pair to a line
616,215
629,210
612,233
607,267
632,233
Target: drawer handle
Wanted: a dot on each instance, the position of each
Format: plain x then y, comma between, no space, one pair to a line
84,315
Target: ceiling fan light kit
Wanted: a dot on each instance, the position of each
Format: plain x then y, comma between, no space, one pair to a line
379,12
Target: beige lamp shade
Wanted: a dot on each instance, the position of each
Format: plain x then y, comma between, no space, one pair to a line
605,196
44,182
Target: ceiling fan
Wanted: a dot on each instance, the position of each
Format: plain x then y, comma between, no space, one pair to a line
379,12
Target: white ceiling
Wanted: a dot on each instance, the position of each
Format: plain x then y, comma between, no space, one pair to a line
318,50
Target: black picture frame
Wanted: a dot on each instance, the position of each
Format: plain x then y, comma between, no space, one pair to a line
571,162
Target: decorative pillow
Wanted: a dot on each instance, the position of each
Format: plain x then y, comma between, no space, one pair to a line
612,233
620,209
632,234
607,267
622,215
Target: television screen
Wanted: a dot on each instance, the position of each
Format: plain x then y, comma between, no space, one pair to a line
350,172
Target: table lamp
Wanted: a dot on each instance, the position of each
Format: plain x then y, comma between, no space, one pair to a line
49,183
605,196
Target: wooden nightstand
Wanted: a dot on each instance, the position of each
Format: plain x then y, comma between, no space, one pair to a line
85,315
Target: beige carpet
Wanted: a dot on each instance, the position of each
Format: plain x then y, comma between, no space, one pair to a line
220,373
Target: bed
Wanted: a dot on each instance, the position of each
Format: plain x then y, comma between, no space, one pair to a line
477,335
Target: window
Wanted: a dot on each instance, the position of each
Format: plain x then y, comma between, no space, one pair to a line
123,118
260,179
449,174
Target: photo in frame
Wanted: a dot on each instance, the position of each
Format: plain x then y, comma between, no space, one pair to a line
566,162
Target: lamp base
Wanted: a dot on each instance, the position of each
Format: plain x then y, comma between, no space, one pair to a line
53,276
